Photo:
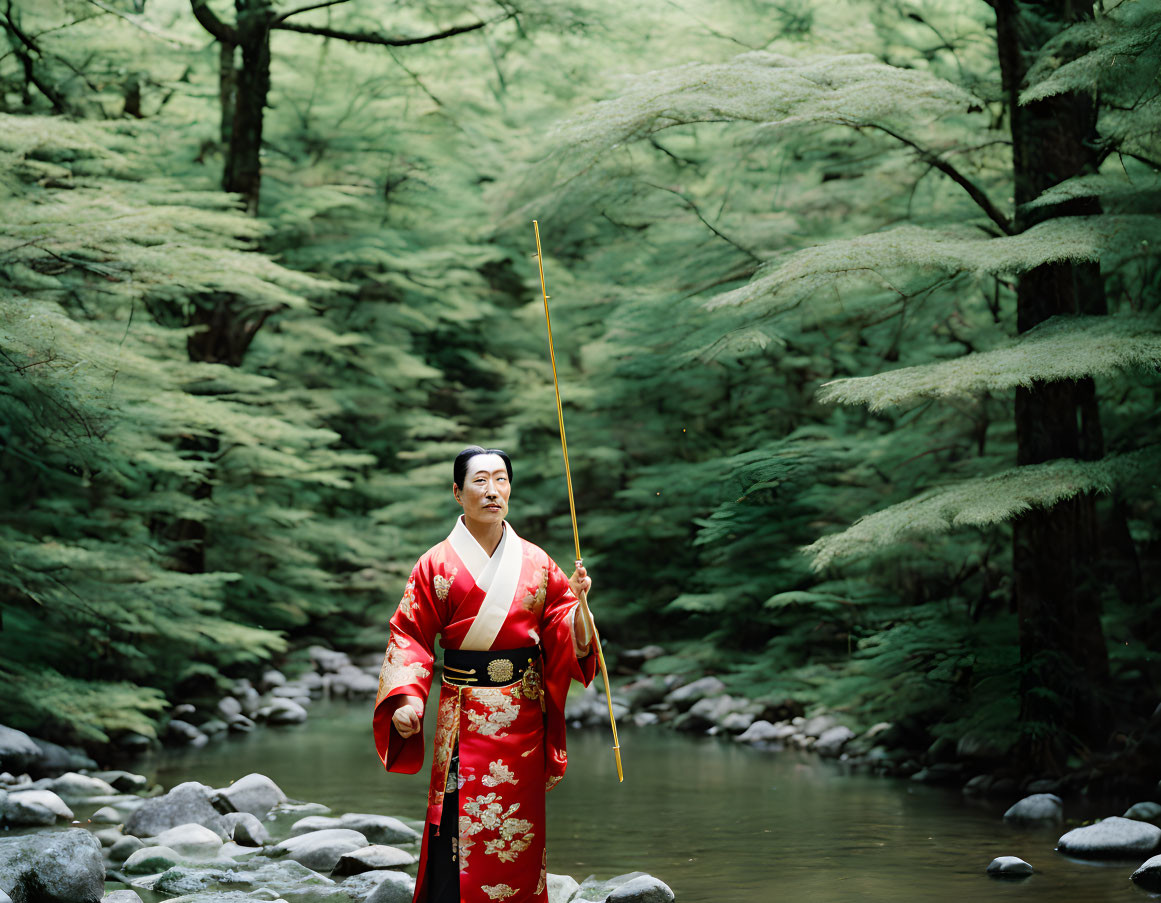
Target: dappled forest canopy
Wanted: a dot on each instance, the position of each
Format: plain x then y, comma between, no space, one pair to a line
855,307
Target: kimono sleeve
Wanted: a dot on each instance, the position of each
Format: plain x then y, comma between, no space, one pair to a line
561,665
406,671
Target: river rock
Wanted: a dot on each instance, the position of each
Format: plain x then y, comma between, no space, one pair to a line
327,659
733,723
1147,811
106,815
645,719
185,804
561,888
108,836
1038,809
33,808
1148,876
240,724
228,707
635,658
125,847
121,896
643,889
831,741
370,858
284,711
71,785
149,860
1009,867
184,879
394,887
321,850
644,692
685,696
61,867
255,793
192,840
125,781
17,751
180,732
378,828
765,732
1113,837
818,725
594,890
272,678
54,758
244,828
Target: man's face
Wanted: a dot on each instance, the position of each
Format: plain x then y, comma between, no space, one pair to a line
484,495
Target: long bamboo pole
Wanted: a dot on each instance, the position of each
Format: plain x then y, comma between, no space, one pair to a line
572,508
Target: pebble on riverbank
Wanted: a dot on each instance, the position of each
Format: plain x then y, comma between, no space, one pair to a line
1009,867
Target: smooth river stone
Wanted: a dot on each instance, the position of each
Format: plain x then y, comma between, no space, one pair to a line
396,887
1113,837
321,850
643,889
71,785
32,808
1148,876
193,840
1009,867
187,803
1040,808
377,828
255,793
1147,811
370,858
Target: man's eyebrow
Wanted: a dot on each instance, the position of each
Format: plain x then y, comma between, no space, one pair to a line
503,470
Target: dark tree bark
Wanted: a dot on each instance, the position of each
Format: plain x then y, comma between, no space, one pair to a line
1064,661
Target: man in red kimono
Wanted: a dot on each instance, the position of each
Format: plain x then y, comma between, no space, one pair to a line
513,636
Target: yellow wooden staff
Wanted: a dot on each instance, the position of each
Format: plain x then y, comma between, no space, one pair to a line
572,507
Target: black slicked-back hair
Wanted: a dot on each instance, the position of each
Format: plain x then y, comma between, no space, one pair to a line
460,467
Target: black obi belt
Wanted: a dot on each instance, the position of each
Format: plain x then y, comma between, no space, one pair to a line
487,668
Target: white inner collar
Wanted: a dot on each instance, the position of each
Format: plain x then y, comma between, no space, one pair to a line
479,563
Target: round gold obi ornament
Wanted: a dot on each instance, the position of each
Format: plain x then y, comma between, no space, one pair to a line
500,670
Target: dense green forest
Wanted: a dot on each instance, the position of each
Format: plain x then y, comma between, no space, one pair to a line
855,307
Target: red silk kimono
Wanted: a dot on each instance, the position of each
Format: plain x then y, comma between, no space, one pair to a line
511,738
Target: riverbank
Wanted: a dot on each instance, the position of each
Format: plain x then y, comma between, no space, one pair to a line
84,838
973,762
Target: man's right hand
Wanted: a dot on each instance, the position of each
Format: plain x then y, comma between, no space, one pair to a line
407,719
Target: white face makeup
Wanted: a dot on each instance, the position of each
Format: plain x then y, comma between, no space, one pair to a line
484,495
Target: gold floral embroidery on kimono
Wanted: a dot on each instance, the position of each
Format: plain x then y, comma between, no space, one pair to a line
535,603
443,584
502,710
498,773
408,600
516,834
500,891
396,670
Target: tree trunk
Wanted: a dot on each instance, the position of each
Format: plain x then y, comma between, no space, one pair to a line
243,172
1064,662
227,88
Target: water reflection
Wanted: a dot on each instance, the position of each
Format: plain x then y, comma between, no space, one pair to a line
718,822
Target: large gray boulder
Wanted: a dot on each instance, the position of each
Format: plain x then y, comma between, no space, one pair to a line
643,889
395,887
1009,867
1148,876
60,867
1112,838
1038,809
255,793
34,808
322,850
121,896
17,750
188,803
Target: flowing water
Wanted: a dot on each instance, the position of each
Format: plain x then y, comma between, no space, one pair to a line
718,822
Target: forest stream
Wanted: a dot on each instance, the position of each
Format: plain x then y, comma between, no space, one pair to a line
718,822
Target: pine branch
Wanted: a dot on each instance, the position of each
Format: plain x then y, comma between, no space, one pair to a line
362,37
